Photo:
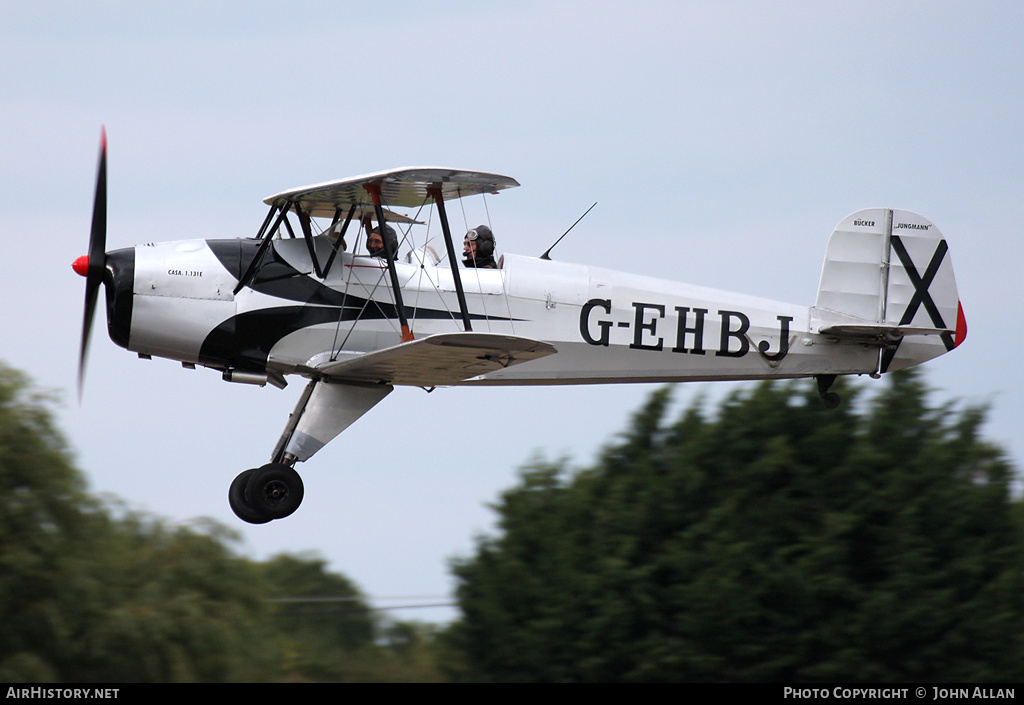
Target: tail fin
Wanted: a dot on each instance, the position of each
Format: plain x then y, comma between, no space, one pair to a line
888,279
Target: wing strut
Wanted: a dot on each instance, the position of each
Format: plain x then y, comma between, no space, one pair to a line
396,289
307,234
435,191
341,235
254,263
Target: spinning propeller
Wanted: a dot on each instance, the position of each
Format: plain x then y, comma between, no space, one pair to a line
91,266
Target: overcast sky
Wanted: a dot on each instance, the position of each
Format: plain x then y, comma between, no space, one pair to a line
721,141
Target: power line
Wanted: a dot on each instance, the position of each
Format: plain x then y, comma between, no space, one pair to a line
370,600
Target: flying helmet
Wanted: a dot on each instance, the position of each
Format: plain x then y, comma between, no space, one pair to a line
484,239
390,241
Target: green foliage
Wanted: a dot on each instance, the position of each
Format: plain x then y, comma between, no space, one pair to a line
323,619
92,593
312,603
154,603
776,541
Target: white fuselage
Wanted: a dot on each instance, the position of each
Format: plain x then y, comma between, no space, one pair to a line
607,326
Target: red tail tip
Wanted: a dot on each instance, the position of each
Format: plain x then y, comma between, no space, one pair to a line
961,325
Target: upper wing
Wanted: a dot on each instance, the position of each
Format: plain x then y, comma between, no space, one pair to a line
361,212
437,360
406,187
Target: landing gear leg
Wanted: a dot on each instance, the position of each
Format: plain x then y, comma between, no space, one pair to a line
825,383
263,494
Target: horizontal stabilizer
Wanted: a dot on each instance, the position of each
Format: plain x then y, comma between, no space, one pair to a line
438,360
880,332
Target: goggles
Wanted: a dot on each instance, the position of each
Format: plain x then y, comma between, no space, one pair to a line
474,235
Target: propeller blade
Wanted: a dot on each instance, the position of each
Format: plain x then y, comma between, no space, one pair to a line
97,257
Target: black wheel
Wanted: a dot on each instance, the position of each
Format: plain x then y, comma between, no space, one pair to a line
831,400
239,505
274,491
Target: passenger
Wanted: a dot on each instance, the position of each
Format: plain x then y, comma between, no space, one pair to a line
375,243
478,248
335,233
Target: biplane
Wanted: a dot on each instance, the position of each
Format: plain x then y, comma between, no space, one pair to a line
302,298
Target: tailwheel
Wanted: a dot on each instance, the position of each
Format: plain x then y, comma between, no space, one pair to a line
274,491
825,382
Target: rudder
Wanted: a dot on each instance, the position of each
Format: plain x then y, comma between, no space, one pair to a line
889,272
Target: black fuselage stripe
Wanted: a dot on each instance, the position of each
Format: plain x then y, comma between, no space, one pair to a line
244,341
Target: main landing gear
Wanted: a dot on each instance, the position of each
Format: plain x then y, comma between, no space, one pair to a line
263,494
825,382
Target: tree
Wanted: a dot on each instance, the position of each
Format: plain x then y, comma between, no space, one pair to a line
90,592
324,622
329,633
776,540
45,516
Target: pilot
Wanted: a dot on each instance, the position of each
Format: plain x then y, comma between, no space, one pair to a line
478,248
375,243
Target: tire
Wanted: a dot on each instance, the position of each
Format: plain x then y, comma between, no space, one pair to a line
274,491
239,505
